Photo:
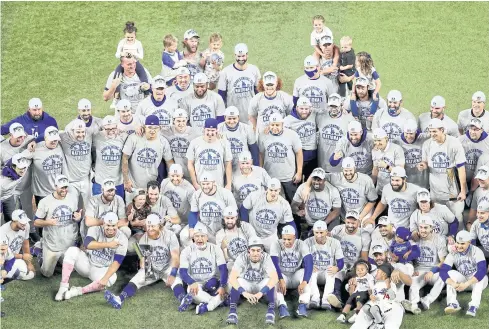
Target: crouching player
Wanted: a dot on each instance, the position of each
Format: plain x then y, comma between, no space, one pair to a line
253,276
106,248
199,263
164,259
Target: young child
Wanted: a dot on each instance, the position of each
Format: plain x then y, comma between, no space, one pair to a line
364,66
402,248
359,291
171,58
213,60
319,31
347,65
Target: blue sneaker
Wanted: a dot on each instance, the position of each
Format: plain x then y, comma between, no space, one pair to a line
302,310
185,303
452,308
472,311
232,318
270,317
201,309
283,311
113,300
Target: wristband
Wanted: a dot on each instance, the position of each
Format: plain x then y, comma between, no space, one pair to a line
174,271
264,290
241,290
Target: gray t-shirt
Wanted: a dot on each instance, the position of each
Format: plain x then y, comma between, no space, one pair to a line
163,111
432,250
176,94
451,128
351,244
465,116
306,129
130,127
97,208
237,240
364,110
108,157
161,248
238,138
361,154
163,207
78,155
479,195
254,272
413,156
242,185
201,109
316,90
393,155
441,216
179,196
47,164
8,151
129,88
105,257
203,264
473,151
401,204
14,239
481,234
261,107
290,259
393,125
324,255
179,143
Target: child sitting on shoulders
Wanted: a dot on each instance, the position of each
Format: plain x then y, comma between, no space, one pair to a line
171,59
213,60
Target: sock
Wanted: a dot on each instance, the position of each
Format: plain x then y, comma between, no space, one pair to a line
337,287
129,291
271,300
375,311
234,300
94,286
178,292
66,272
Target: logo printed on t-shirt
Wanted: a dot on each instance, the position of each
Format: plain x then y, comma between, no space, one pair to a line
317,208
236,146
315,95
210,159
163,117
306,130
413,157
427,256
331,133
111,155
400,207
350,251
266,217
63,214
243,87
53,164
269,111
236,246
201,266
289,261
440,161
350,196
146,157
179,146
174,198
253,275
199,114
277,152
322,259
80,150
392,130
246,189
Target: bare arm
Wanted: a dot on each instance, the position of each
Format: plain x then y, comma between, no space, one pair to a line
262,159
378,210
125,167
375,173
191,170
229,174
462,176
252,120
367,209
333,215
92,221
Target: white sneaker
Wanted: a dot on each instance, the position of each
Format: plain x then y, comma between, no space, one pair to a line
73,292
341,318
60,295
353,318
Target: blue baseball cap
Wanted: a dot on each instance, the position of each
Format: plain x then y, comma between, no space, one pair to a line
403,233
152,120
211,123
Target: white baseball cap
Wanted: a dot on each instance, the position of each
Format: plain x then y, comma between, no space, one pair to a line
231,111
352,214
255,241
182,70
153,219
378,249
230,212
410,127
200,228
383,220
61,181
479,96
379,133
275,118
110,218
436,123
398,172
84,104
123,104
77,124
108,184
245,156
19,215
355,127
109,120
426,220
206,177
159,82
334,100
438,101
180,113
482,173
176,169
200,78
189,34
394,96
318,172
476,123
274,183
16,130
423,195
326,39
483,206
240,49
320,225
52,134
348,163
362,81
463,236
35,103
310,61
269,77
288,229
303,101
20,161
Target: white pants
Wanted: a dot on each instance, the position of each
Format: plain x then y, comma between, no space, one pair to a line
83,187
19,271
186,241
318,278
49,260
204,297
475,288
252,287
269,241
457,208
398,288
140,280
392,318
79,260
292,281
419,282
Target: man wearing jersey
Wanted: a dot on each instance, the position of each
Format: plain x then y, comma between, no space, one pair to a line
476,111
383,235
475,143
162,207
294,264
394,117
316,87
479,231
191,54
248,178
10,181
202,104
234,236
127,121
179,191
106,248
199,264
327,260
362,105
240,136
182,87
238,82
253,276
480,194
469,274
92,123
437,111
358,145
164,257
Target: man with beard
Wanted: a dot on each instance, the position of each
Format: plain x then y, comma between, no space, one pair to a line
190,52
383,235
128,122
400,196
105,202
265,211
438,111
313,85
328,260
385,156
93,124
164,258
362,105
106,248
206,207
479,231
199,264
240,136
18,262
58,216
107,152
238,82
480,195
143,155
444,156
182,87
358,145
281,155
469,274
249,178
34,121
179,136
234,236
302,120
477,111
162,207
411,142
475,143
17,142
210,154
179,191
355,244
158,103
393,118
294,265
10,180
269,100
332,125
202,103
253,276
433,248
322,204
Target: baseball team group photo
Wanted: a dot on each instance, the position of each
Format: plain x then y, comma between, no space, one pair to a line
244,164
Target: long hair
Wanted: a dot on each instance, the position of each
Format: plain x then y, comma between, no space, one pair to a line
261,87
366,62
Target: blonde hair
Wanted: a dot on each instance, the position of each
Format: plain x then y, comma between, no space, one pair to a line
318,18
366,62
346,40
215,37
168,40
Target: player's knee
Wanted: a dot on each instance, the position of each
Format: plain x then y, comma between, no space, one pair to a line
112,280
71,255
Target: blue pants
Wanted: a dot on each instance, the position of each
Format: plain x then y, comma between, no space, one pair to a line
97,189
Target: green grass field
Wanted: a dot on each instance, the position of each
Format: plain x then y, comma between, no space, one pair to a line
62,52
